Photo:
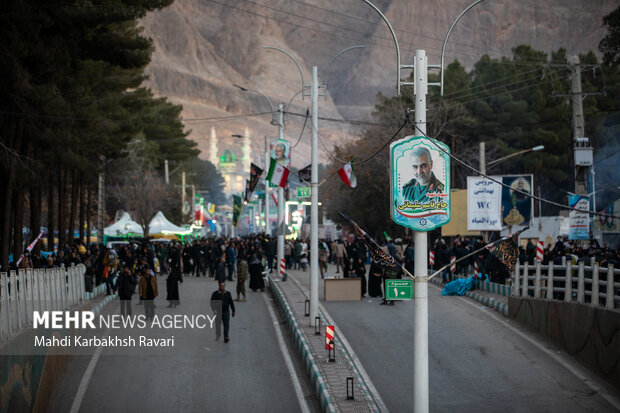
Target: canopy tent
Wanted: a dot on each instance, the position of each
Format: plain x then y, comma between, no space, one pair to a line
124,226
160,225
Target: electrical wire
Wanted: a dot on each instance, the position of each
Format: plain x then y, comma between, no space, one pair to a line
477,172
351,122
302,128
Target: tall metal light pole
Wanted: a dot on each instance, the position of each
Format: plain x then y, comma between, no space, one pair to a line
314,208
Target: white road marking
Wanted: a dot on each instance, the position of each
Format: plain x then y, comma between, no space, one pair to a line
356,361
88,374
287,359
564,361
206,348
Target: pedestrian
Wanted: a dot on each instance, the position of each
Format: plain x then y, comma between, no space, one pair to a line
220,270
231,259
341,255
222,304
374,280
148,292
174,277
125,285
360,271
256,271
242,276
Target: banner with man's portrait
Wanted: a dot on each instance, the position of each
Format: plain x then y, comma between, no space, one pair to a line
280,150
420,184
517,204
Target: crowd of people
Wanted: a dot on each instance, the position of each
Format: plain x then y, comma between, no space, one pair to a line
136,266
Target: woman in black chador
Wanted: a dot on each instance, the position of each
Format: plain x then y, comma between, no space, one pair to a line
256,270
374,280
172,282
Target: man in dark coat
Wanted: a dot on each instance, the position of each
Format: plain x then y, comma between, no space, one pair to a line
220,270
222,304
125,285
424,180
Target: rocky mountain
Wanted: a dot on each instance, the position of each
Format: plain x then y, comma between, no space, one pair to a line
204,47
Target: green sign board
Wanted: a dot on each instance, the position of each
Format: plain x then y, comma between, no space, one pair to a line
399,289
304,192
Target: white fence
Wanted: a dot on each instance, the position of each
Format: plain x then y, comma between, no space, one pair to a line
26,291
587,284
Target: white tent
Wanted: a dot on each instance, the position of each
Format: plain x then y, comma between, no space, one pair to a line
160,225
124,226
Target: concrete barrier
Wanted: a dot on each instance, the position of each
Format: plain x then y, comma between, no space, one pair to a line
590,334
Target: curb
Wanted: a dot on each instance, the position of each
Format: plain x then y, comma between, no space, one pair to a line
319,383
488,301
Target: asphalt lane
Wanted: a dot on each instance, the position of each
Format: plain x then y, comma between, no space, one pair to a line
246,374
475,362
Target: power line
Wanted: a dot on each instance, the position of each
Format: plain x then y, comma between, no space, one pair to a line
302,129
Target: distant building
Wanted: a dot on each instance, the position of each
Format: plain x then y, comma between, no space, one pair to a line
233,179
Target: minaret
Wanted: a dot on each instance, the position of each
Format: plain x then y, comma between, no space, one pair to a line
246,150
213,149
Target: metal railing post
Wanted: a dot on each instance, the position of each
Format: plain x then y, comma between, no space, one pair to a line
537,281
526,284
568,284
550,281
609,299
581,284
595,285
515,290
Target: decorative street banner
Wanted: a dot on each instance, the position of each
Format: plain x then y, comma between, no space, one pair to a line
579,222
420,185
517,207
280,150
483,204
237,204
305,174
248,192
255,173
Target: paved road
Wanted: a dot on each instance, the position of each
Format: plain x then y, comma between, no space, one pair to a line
476,362
247,374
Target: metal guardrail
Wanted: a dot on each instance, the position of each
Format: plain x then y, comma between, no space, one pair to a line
26,291
587,284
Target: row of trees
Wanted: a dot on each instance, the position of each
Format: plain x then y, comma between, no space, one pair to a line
72,102
509,103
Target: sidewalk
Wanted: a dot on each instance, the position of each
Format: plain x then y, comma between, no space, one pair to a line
328,378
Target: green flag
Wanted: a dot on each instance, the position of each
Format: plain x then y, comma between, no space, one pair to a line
237,205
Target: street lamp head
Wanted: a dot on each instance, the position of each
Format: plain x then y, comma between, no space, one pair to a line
240,87
538,148
237,136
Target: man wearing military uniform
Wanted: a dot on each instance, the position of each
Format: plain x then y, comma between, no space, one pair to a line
424,180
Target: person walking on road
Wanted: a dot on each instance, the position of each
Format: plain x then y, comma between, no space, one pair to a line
242,276
174,277
148,292
125,285
220,270
256,271
222,305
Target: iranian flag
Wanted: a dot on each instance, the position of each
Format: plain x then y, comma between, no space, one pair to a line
348,175
278,174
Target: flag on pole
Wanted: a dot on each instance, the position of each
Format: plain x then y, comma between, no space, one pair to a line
379,256
248,191
348,175
255,173
237,205
305,174
278,174
506,249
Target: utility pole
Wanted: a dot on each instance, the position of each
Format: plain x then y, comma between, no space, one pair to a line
281,231
100,205
183,196
314,209
581,144
420,271
166,172
267,161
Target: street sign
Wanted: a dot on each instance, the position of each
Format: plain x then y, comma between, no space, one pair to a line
399,289
304,192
